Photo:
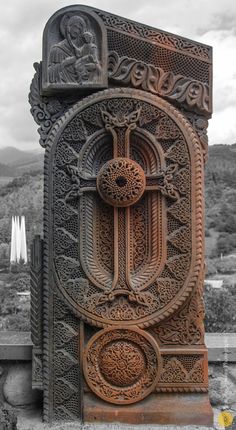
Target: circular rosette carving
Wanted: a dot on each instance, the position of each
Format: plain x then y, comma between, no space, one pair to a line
122,365
121,182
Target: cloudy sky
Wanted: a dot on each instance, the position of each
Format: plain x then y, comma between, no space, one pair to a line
212,22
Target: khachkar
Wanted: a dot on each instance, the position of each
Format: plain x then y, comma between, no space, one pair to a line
117,281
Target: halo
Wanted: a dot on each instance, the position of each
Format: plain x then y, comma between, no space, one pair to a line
64,22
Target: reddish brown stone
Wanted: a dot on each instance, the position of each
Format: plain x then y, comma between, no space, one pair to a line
117,283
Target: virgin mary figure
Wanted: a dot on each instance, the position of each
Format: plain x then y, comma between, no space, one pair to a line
74,59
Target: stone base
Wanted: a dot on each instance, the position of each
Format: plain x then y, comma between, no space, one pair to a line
168,409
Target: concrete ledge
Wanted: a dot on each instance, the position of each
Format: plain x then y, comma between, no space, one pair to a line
18,346
15,345
221,347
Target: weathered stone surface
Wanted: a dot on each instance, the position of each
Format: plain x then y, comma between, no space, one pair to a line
232,374
17,388
222,391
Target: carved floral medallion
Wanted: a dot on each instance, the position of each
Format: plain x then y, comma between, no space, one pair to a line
121,182
122,365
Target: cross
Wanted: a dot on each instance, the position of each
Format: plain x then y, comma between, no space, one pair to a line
120,127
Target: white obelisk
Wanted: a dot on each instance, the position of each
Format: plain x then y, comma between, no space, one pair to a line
13,240
23,248
18,239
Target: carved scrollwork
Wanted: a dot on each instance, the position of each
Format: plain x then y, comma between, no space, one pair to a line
128,71
123,212
66,377
186,326
183,369
45,110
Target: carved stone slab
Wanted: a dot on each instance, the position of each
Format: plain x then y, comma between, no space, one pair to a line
139,254
74,51
121,283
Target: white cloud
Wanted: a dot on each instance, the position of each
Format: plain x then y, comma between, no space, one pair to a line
222,127
21,27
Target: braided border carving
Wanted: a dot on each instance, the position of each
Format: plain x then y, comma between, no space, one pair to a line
161,38
182,390
46,297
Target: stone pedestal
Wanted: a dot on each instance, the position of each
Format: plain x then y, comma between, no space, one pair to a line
165,409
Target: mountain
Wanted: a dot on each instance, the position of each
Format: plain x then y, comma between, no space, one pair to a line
14,162
6,170
16,157
220,200
221,168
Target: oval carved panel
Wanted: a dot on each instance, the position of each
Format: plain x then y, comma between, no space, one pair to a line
135,261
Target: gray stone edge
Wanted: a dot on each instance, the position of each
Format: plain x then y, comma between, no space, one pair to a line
18,346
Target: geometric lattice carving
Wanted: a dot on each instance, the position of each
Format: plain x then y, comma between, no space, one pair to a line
121,182
183,372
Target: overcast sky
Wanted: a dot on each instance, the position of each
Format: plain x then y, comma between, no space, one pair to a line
212,22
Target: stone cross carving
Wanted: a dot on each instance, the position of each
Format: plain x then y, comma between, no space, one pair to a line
118,294
121,183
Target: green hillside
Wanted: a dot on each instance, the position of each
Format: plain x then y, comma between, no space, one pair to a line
220,199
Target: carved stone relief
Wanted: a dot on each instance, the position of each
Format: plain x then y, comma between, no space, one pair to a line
74,51
120,284
122,365
122,289
138,74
